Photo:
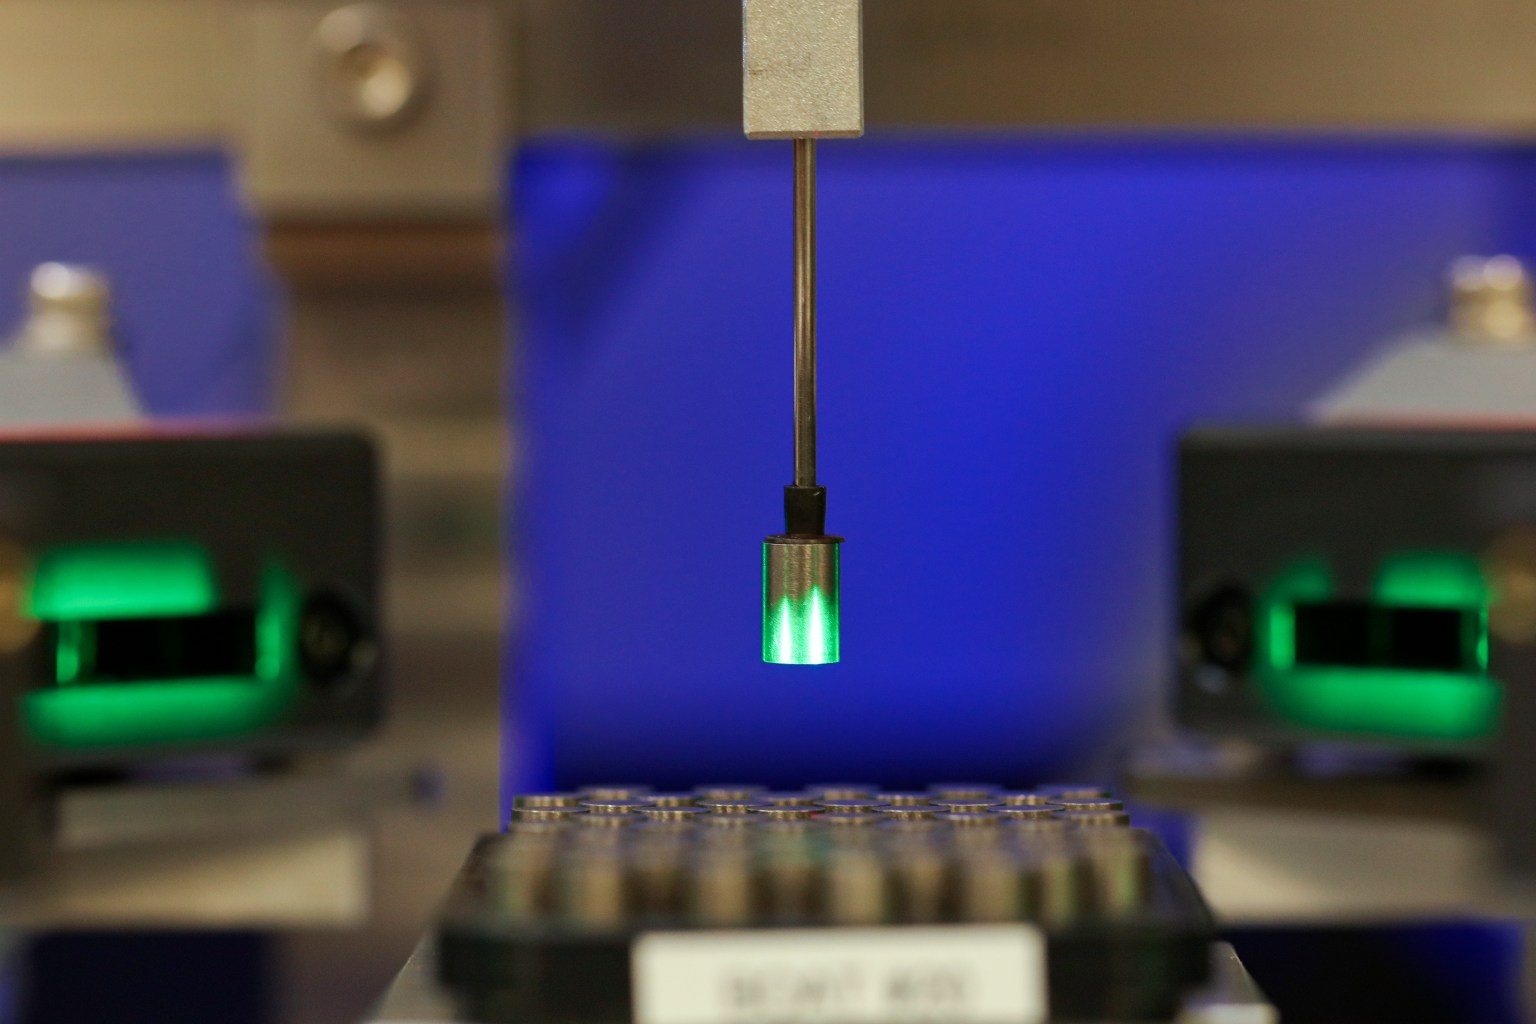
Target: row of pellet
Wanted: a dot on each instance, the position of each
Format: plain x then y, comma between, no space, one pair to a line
656,883
957,804
612,857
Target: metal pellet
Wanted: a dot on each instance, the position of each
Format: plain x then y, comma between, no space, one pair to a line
660,879
670,799
920,884
789,880
521,814
789,812
991,887
1064,884
908,813
1028,812
547,800
963,804
901,827
725,828
593,891
1093,803
1021,797
1095,819
908,799
662,813
797,798
729,792
722,890
963,790
590,825
1036,829
848,805
842,790
970,819
1121,869
614,791
613,805
855,820
855,889
729,806
520,879
1072,790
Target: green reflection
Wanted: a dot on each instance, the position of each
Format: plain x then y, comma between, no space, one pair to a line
801,630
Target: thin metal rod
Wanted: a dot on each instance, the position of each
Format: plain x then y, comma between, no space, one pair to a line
805,312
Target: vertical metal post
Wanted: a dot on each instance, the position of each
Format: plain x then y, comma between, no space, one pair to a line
805,312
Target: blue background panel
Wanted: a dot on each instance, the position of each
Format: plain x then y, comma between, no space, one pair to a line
1012,332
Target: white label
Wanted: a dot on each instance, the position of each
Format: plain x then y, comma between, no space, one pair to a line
981,974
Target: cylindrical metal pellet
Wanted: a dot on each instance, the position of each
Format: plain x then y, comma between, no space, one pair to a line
853,820
920,883
705,794
548,813
1079,790
905,799
685,814
1121,869
614,791
1095,819
970,819
1090,803
789,876
722,889
1028,812
736,807
789,812
1021,798
793,798
842,790
1032,830
659,871
900,826
520,879
593,891
1065,887
848,805
968,803
908,813
856,890
547,800
962,790
990,886
613,805
670,799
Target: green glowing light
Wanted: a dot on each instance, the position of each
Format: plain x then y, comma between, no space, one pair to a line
122,581
801,631
1374,700
86,714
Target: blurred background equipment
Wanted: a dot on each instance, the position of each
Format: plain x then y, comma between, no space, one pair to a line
62,365
304,206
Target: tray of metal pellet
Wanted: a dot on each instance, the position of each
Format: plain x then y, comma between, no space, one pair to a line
962,904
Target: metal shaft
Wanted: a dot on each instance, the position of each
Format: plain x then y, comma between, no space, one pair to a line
805,312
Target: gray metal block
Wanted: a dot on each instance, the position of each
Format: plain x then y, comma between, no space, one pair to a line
803,69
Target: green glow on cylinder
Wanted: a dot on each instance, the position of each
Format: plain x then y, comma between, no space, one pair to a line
79,713
1381,701
801,631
